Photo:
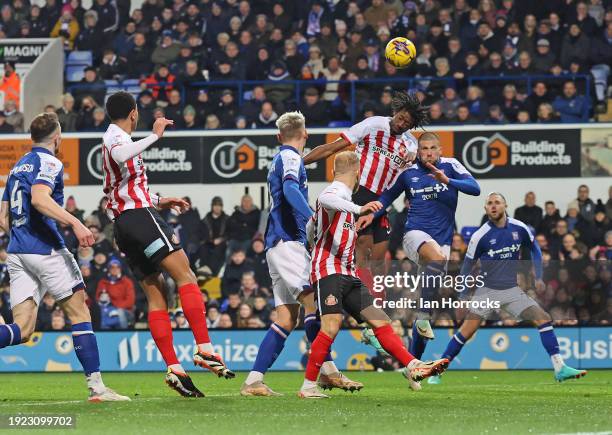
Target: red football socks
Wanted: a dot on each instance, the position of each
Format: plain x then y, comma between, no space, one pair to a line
193,307
161,330
393,344
318,352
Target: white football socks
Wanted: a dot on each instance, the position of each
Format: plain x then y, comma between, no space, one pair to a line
94,382
557,361
254,377
308,384
329,368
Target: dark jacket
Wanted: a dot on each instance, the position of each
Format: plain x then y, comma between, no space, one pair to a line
243,225
531,216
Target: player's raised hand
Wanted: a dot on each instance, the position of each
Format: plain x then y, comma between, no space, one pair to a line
160,124
179,205
436,173
371,207
83,235
364,221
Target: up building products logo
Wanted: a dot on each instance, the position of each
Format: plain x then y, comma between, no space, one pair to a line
481,154
229,158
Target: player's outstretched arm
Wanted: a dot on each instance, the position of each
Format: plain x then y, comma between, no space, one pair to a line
122,152
45,204
326,150
331,201
179,205
467,185
4,216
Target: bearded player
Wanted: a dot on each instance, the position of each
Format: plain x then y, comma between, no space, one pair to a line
337,287
289,260
498,245
150,244
432,184
38,261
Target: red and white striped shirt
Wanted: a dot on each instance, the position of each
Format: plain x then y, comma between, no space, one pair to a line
125,184
332,232
380,153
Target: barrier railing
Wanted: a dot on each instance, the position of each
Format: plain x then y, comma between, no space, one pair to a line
347,89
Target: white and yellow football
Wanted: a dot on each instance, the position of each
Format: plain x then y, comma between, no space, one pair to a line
400,52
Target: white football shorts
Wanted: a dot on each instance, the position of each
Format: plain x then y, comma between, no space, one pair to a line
513,300
33,275
413,240
289,265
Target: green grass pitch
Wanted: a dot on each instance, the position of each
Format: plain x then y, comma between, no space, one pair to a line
512,402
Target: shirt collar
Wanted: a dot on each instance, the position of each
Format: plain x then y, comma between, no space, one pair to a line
288,147
41,150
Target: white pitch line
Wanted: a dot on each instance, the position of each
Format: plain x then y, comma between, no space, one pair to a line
67,402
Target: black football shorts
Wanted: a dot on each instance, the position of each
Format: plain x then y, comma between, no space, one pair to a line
379,229
337,293
145,239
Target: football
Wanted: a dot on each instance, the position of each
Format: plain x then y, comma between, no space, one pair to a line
400,52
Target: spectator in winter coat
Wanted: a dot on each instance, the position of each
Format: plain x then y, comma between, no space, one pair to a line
242,225
120,290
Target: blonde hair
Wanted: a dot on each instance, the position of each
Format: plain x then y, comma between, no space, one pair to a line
345,161
429,135
291,124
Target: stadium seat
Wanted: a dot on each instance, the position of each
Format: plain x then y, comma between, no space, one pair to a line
132,86
75,73
79,58
466,233
339,124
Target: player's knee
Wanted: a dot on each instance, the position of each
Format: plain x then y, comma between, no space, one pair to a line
286,323
331,327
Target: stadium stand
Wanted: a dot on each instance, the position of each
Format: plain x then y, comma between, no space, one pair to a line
489,55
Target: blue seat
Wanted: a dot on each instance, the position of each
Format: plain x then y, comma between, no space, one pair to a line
467,232
131,85
339,124
75,73
80,58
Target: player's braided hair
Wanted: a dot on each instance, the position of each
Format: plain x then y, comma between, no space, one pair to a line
410,102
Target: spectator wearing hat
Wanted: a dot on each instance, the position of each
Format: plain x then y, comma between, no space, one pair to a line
120,291
90,85
315,60
314,109
242,225
189,119
214,229
66,27
278,92
544,58
167,51
5,127
146,106
227,111
90,35
571,106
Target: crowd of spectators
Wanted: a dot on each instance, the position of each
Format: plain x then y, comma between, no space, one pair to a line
228,257
170,47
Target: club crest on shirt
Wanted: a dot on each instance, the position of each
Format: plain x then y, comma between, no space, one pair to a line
331,300
515,235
